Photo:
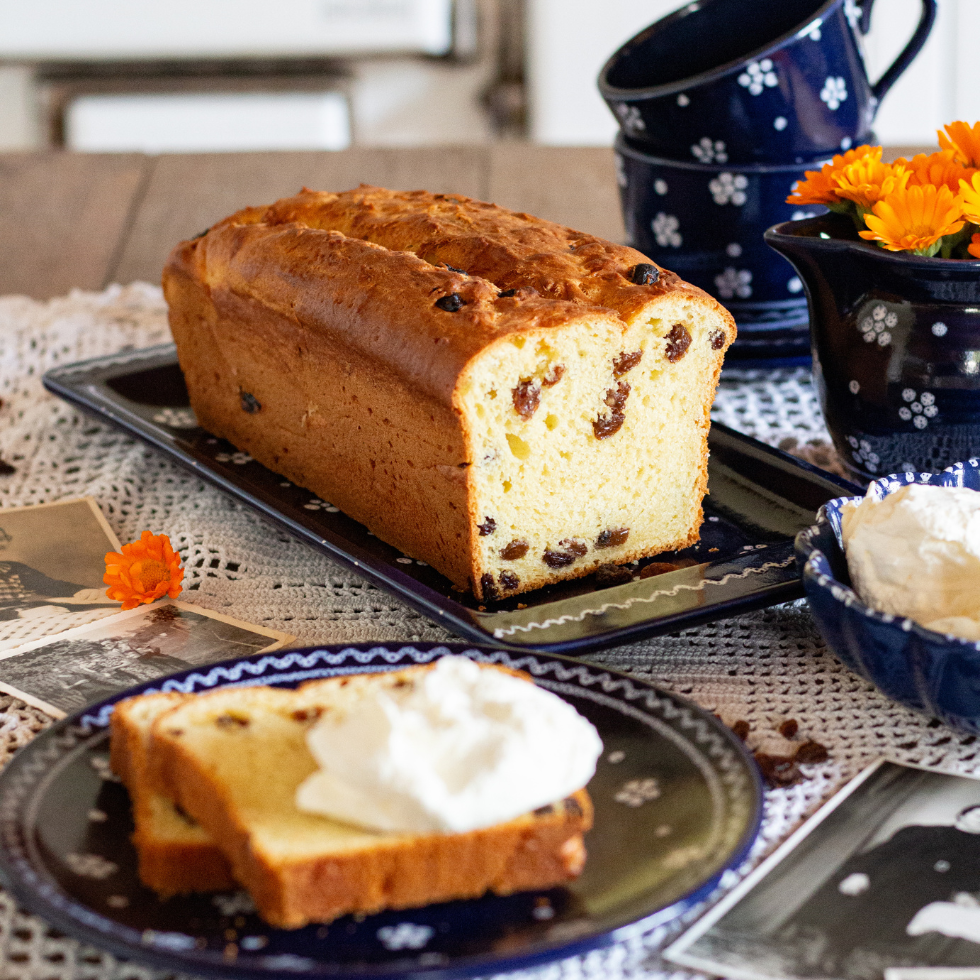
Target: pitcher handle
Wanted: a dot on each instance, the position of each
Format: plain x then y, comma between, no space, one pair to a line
888,79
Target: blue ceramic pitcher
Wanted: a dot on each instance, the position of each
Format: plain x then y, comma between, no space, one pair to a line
896,347
747,81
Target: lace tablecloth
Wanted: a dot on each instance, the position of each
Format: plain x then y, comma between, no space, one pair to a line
763,667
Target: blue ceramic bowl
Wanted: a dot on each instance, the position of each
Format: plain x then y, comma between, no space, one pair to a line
743,81
706,223
927,671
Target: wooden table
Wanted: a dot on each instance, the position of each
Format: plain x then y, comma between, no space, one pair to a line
85,220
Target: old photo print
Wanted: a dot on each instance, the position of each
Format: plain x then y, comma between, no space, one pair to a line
52,559
884,878
64,673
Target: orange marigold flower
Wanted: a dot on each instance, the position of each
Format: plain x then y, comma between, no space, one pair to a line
974,247
936,168
970,198
819,186
913,219
963,141
146,570
868,180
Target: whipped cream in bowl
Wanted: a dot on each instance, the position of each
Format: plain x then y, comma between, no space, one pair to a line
893,582
915,552
460,748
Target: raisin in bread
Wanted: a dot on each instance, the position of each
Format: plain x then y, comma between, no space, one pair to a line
175,854
233,760
508,399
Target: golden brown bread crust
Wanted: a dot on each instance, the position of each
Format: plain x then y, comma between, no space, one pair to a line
539,850
337,293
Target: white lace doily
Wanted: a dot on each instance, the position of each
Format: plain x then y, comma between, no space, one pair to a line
762,667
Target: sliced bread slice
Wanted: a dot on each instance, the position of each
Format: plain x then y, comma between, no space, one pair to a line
176,855
233,760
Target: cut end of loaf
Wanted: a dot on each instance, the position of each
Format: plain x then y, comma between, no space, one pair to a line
589,445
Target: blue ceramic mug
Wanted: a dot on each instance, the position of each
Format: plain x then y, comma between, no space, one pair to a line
743,81
706,223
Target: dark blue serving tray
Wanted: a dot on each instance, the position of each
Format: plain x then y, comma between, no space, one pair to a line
759,499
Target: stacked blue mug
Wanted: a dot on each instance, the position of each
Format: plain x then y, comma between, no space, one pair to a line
723,105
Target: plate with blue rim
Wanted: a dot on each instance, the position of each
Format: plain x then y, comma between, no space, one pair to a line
678,802
759,499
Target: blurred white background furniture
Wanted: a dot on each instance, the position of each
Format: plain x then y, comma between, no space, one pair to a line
386,72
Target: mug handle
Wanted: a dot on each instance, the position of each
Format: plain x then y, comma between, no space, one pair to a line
926,21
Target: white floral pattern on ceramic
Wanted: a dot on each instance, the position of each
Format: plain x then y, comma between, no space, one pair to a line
93,866
406,935
734,282
758,75
176,418
733,250
939,329
853,387
729,188
834,92
636,792
853,14
621,177
631,119
707,150
666,229
317,504
100,763
918,407
238,458
683,100
877,327
660,187
780,123
795,285
864,454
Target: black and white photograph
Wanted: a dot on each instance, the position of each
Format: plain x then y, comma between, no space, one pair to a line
64,673
885,877
52,559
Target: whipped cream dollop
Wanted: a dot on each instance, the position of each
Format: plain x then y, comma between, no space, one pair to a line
459,748
916,553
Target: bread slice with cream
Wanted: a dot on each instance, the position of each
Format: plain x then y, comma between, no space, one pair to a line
512,401
234,759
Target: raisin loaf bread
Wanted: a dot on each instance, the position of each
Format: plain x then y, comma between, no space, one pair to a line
233,759
508,399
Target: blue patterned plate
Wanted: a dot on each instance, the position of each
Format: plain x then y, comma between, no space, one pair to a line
677,803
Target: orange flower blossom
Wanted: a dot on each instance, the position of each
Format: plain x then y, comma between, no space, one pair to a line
913,219
963,140
145,570
819,186
936,168
868,180
974,247
970,199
